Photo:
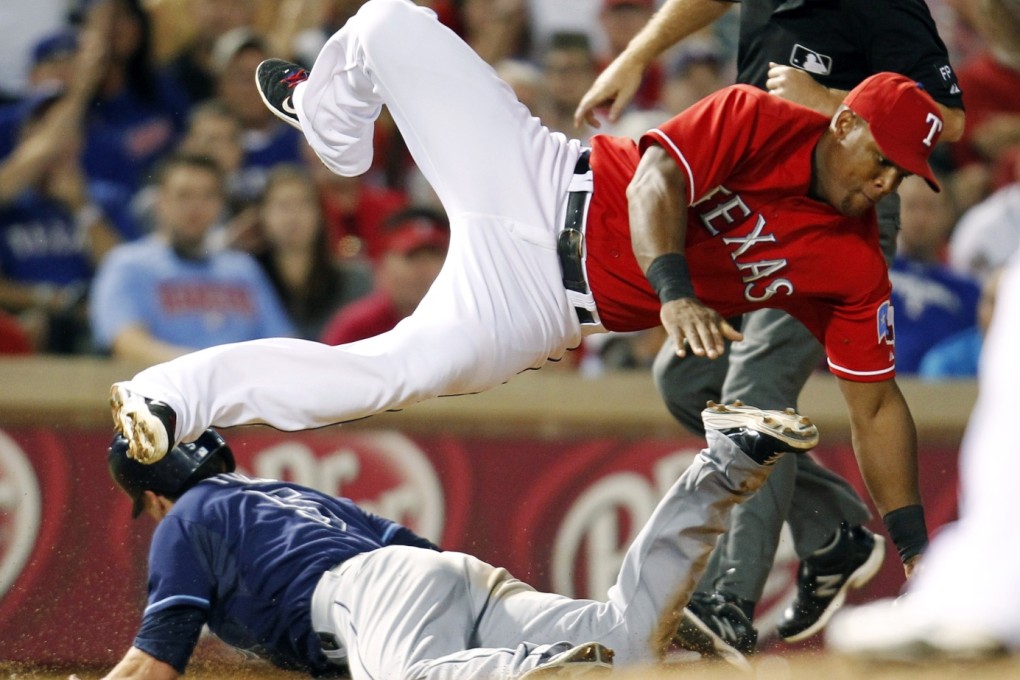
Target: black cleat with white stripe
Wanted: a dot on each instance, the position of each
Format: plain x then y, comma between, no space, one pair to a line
276,80
825,578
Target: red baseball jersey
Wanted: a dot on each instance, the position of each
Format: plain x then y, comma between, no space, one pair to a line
754,237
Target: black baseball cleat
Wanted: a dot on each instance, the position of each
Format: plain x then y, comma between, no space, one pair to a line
825,578
148,426
589,658
762,435
275,80
715,627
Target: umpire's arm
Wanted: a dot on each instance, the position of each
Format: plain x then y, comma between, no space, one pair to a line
137,665
885,443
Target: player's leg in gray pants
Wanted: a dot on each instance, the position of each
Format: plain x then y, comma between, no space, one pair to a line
409,613
768,369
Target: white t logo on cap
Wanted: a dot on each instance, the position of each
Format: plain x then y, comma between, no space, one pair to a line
936,125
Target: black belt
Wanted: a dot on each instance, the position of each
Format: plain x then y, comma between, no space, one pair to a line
571,241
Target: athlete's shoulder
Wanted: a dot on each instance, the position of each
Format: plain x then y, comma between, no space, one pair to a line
207,495
742,101
751,112
732,108
740,93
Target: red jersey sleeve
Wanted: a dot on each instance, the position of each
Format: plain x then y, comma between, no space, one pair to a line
860,343
858,337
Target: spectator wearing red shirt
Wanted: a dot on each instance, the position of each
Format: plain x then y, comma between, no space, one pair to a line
14,339
415,245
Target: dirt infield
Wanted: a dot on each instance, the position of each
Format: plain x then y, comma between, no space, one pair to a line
800,666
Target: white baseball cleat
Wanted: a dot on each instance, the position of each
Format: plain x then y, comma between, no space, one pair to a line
789,427
591,657
147,425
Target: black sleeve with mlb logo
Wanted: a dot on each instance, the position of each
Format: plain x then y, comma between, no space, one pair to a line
842,43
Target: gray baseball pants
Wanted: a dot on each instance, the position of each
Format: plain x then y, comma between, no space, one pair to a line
401,612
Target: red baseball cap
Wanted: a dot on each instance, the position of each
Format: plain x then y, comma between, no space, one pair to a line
904,120
415,233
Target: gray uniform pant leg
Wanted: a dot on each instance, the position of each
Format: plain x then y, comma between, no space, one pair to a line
767,369
403,612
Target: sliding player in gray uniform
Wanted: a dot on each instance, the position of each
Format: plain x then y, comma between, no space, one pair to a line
315,583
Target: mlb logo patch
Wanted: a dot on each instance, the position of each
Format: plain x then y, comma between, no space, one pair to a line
886,333
808,60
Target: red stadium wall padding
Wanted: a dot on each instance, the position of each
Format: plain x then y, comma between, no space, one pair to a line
556,512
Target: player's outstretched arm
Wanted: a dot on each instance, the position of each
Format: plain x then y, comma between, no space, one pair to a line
885,443
137,665
617,84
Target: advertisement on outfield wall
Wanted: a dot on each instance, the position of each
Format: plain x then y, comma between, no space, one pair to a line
556,513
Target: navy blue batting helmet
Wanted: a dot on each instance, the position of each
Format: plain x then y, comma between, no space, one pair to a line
180,469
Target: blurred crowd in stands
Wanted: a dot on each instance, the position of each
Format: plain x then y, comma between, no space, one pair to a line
150,204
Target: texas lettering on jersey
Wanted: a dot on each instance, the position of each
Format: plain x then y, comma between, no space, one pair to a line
718,213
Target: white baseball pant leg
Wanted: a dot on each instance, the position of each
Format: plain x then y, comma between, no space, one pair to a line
404,613
969,574
498,306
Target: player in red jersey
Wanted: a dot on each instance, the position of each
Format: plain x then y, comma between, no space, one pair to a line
742,202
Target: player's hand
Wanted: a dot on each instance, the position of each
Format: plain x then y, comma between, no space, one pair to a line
689,322
799,87
614,87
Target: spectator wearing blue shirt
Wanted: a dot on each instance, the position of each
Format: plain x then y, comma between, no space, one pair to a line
957,356
169,293
932,302
51,69
55,224
139,110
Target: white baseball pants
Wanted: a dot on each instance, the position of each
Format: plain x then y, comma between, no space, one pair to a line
970,575
407,613
498,306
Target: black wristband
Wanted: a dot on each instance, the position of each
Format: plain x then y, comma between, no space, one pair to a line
670,277
907,529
